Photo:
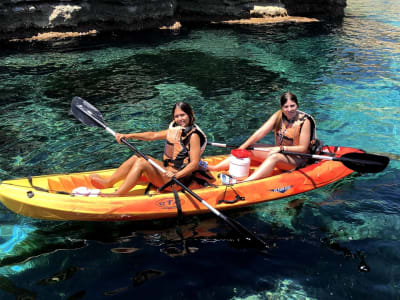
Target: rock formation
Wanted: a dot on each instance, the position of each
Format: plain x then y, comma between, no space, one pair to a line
25,18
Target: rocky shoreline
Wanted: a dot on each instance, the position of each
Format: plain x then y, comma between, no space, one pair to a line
35,20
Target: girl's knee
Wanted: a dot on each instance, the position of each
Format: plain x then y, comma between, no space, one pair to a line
130,161
276,157
133,158
142,160
272,159
140,163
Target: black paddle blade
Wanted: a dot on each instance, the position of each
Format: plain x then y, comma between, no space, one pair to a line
86,113
364,162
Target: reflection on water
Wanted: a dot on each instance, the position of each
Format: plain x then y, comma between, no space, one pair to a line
338,242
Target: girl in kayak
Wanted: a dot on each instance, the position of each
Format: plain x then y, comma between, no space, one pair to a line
293,132
185,142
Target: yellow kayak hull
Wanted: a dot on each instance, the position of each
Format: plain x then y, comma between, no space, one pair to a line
43,200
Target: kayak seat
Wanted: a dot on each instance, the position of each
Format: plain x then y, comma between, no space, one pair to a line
68,183
54,185
82,181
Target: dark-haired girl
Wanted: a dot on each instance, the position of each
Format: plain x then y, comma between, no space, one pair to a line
185,142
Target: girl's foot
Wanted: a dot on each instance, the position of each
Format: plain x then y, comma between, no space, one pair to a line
99,182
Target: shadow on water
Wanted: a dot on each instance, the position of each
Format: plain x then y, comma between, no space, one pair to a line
49,237
169,237
144,71
282,32
232,73
276,31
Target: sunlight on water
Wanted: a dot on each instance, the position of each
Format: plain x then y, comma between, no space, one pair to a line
285,289
12,236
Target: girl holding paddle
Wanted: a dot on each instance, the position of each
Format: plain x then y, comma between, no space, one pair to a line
293,132
185,142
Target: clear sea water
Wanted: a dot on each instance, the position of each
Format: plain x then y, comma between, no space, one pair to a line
338,242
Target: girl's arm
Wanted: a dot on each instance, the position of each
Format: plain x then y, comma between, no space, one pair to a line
266,128
143,136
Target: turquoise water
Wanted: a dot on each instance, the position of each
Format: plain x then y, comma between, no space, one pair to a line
338,242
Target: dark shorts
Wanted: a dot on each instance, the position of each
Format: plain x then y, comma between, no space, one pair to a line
301,161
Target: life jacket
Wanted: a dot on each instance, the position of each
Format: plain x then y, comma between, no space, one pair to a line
290,135
176,150
176,154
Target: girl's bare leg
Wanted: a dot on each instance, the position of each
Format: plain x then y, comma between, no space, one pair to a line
221,166
282,161
118,175
141,166
255,155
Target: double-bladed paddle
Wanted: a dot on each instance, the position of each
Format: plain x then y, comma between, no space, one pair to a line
89,115
360,162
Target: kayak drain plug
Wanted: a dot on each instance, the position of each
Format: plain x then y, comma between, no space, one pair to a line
30,194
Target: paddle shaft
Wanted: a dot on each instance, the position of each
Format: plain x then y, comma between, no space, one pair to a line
315,156
358,161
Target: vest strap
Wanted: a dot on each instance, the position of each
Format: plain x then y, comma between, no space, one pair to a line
169,183
149,186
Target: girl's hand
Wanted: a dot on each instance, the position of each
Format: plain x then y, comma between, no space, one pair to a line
170,174
274,150
119,136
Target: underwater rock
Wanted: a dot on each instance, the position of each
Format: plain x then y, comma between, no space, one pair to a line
124,250
146,275
60,276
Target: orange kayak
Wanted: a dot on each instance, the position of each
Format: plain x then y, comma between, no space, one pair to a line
50,197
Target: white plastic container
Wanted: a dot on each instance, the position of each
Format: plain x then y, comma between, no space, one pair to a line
239,164
84,191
